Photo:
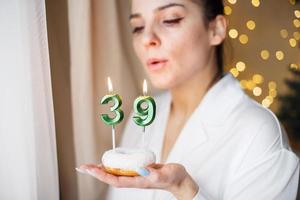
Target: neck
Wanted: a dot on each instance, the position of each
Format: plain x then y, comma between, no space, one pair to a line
187,96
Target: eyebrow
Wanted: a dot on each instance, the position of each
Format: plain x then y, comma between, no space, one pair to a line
136,15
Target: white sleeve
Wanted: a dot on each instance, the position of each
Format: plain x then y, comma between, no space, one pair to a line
269,169
275,177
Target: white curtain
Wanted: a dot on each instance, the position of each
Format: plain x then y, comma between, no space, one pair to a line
99,47
28,161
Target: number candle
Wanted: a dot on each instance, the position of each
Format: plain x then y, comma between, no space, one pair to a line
119,114
144,116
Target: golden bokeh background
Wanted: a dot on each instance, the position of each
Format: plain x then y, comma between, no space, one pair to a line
263,41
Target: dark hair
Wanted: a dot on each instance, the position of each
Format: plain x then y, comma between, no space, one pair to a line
211,9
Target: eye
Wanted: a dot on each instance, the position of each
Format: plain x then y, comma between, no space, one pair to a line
172,21
137,29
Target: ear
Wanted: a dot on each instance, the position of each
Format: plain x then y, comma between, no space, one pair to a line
217,29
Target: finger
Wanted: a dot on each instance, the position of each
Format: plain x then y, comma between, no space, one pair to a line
88,166
98,172
155,166
143,171
83,168
152,168
151,174
152,180
103,176
160,175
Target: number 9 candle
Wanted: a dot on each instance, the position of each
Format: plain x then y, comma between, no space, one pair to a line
119,114
144,116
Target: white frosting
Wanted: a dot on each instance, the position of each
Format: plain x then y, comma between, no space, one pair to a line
128,159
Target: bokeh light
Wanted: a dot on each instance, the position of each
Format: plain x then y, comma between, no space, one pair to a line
255,3
258,79
273,93
296,23
234,72
266,103
296,35
297,13
232,1
293,2
240,66
243,39
294,66
227,10
250,85
233,33
265,54
257,91
272,85
293,42
251,25
284,33
279,55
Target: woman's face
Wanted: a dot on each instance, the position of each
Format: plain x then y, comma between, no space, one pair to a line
170,39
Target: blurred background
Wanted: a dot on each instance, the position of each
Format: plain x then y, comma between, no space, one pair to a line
90,40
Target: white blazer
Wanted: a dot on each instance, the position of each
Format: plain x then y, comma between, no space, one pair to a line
234,148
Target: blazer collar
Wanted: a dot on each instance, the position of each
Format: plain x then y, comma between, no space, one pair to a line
214,109
220,100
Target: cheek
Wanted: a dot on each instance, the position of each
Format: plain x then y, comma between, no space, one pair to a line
138,49
189,49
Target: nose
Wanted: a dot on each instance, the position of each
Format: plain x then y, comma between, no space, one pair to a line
151,39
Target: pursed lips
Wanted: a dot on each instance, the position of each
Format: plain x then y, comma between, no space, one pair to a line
156,63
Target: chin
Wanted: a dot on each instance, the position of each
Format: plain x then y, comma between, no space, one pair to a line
161,82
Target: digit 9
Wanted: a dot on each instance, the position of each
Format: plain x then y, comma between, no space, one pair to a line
144,116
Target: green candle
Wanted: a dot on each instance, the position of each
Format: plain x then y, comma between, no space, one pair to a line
144,116
119,114
116,109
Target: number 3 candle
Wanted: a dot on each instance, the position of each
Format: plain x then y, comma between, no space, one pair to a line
144,116
119,114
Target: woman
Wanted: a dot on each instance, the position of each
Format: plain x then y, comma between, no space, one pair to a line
213,142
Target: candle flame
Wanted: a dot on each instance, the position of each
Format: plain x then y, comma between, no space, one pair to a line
145,87
109,84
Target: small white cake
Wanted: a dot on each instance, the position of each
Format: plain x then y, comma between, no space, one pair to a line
125,161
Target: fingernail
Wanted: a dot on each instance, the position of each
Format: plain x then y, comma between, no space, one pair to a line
91,172
80,170
143,172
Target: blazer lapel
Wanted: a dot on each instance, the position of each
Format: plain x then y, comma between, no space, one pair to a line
191,136
208,118
211,113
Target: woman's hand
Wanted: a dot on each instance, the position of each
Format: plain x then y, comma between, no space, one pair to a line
170,177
